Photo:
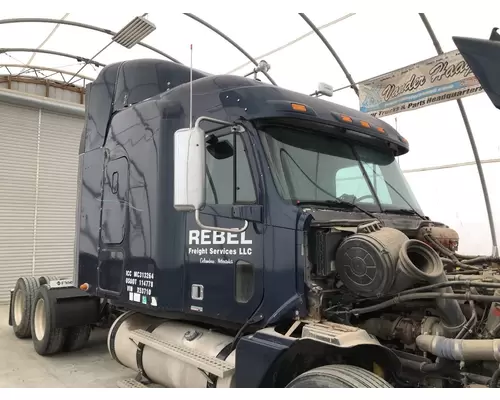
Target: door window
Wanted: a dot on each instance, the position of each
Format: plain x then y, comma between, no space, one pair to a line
229,181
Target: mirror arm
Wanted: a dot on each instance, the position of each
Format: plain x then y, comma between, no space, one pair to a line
216,121
212,228
234,127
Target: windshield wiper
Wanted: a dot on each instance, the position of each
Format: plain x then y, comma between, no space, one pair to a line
335,203
403,211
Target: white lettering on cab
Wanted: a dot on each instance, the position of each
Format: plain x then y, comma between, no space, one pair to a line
206,237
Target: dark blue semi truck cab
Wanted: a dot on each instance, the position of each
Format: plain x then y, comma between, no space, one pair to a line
238,234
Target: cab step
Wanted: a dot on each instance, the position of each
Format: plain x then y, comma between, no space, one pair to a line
131,383
219,368
337,334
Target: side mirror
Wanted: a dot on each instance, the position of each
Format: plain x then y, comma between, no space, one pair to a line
189,169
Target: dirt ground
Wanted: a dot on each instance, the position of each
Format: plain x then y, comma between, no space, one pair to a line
22,367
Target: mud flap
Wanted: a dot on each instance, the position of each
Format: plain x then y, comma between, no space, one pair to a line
10,307
73,307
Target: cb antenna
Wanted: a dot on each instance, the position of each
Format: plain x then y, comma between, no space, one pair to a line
191,89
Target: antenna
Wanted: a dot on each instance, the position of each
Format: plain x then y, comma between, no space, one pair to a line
191,90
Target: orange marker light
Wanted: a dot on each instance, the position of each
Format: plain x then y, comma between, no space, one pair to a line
365,124
346,118
299,107
84,287
381,130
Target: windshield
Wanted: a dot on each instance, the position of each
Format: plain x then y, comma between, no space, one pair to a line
314,167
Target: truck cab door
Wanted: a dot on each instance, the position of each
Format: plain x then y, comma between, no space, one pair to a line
224,271
113,222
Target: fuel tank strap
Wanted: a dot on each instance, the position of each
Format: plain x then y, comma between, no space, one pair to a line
223,354
140,350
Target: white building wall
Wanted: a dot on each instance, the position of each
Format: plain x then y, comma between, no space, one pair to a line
39,140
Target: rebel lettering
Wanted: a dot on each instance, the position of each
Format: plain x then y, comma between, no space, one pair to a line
218,237
206,237
232,238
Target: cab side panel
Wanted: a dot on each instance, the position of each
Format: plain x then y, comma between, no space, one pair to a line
129,201
90,217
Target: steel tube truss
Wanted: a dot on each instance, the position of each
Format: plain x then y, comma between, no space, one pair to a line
214,29
51,52
351,81
472,141
84,26
334,54
29,68
294,41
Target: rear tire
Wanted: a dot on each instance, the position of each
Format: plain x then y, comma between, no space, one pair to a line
44,280
77,337
23,299
46,339
338,376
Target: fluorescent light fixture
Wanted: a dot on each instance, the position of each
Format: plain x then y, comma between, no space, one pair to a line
135,31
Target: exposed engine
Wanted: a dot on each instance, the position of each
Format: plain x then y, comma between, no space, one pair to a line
437,309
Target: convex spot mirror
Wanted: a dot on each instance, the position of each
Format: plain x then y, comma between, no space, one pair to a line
189,169
219,149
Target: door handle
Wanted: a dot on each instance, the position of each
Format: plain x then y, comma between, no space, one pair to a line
114,182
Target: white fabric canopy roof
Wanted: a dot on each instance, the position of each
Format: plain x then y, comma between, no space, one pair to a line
368,46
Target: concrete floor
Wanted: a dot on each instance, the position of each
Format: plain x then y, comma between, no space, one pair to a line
22,367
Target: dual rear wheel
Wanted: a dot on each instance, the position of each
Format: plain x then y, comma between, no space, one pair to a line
32,316
23,299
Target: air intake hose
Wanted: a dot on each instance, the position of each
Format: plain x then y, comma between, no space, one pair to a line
460,349
418,262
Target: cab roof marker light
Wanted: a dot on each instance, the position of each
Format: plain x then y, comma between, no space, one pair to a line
299,107
364,124
380,129
345,118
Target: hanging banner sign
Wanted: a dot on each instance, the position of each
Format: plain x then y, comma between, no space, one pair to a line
436,80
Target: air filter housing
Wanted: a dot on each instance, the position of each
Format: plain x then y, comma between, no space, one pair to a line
366,262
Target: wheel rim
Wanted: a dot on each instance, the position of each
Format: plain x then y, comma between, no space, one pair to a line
40,319
19,303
